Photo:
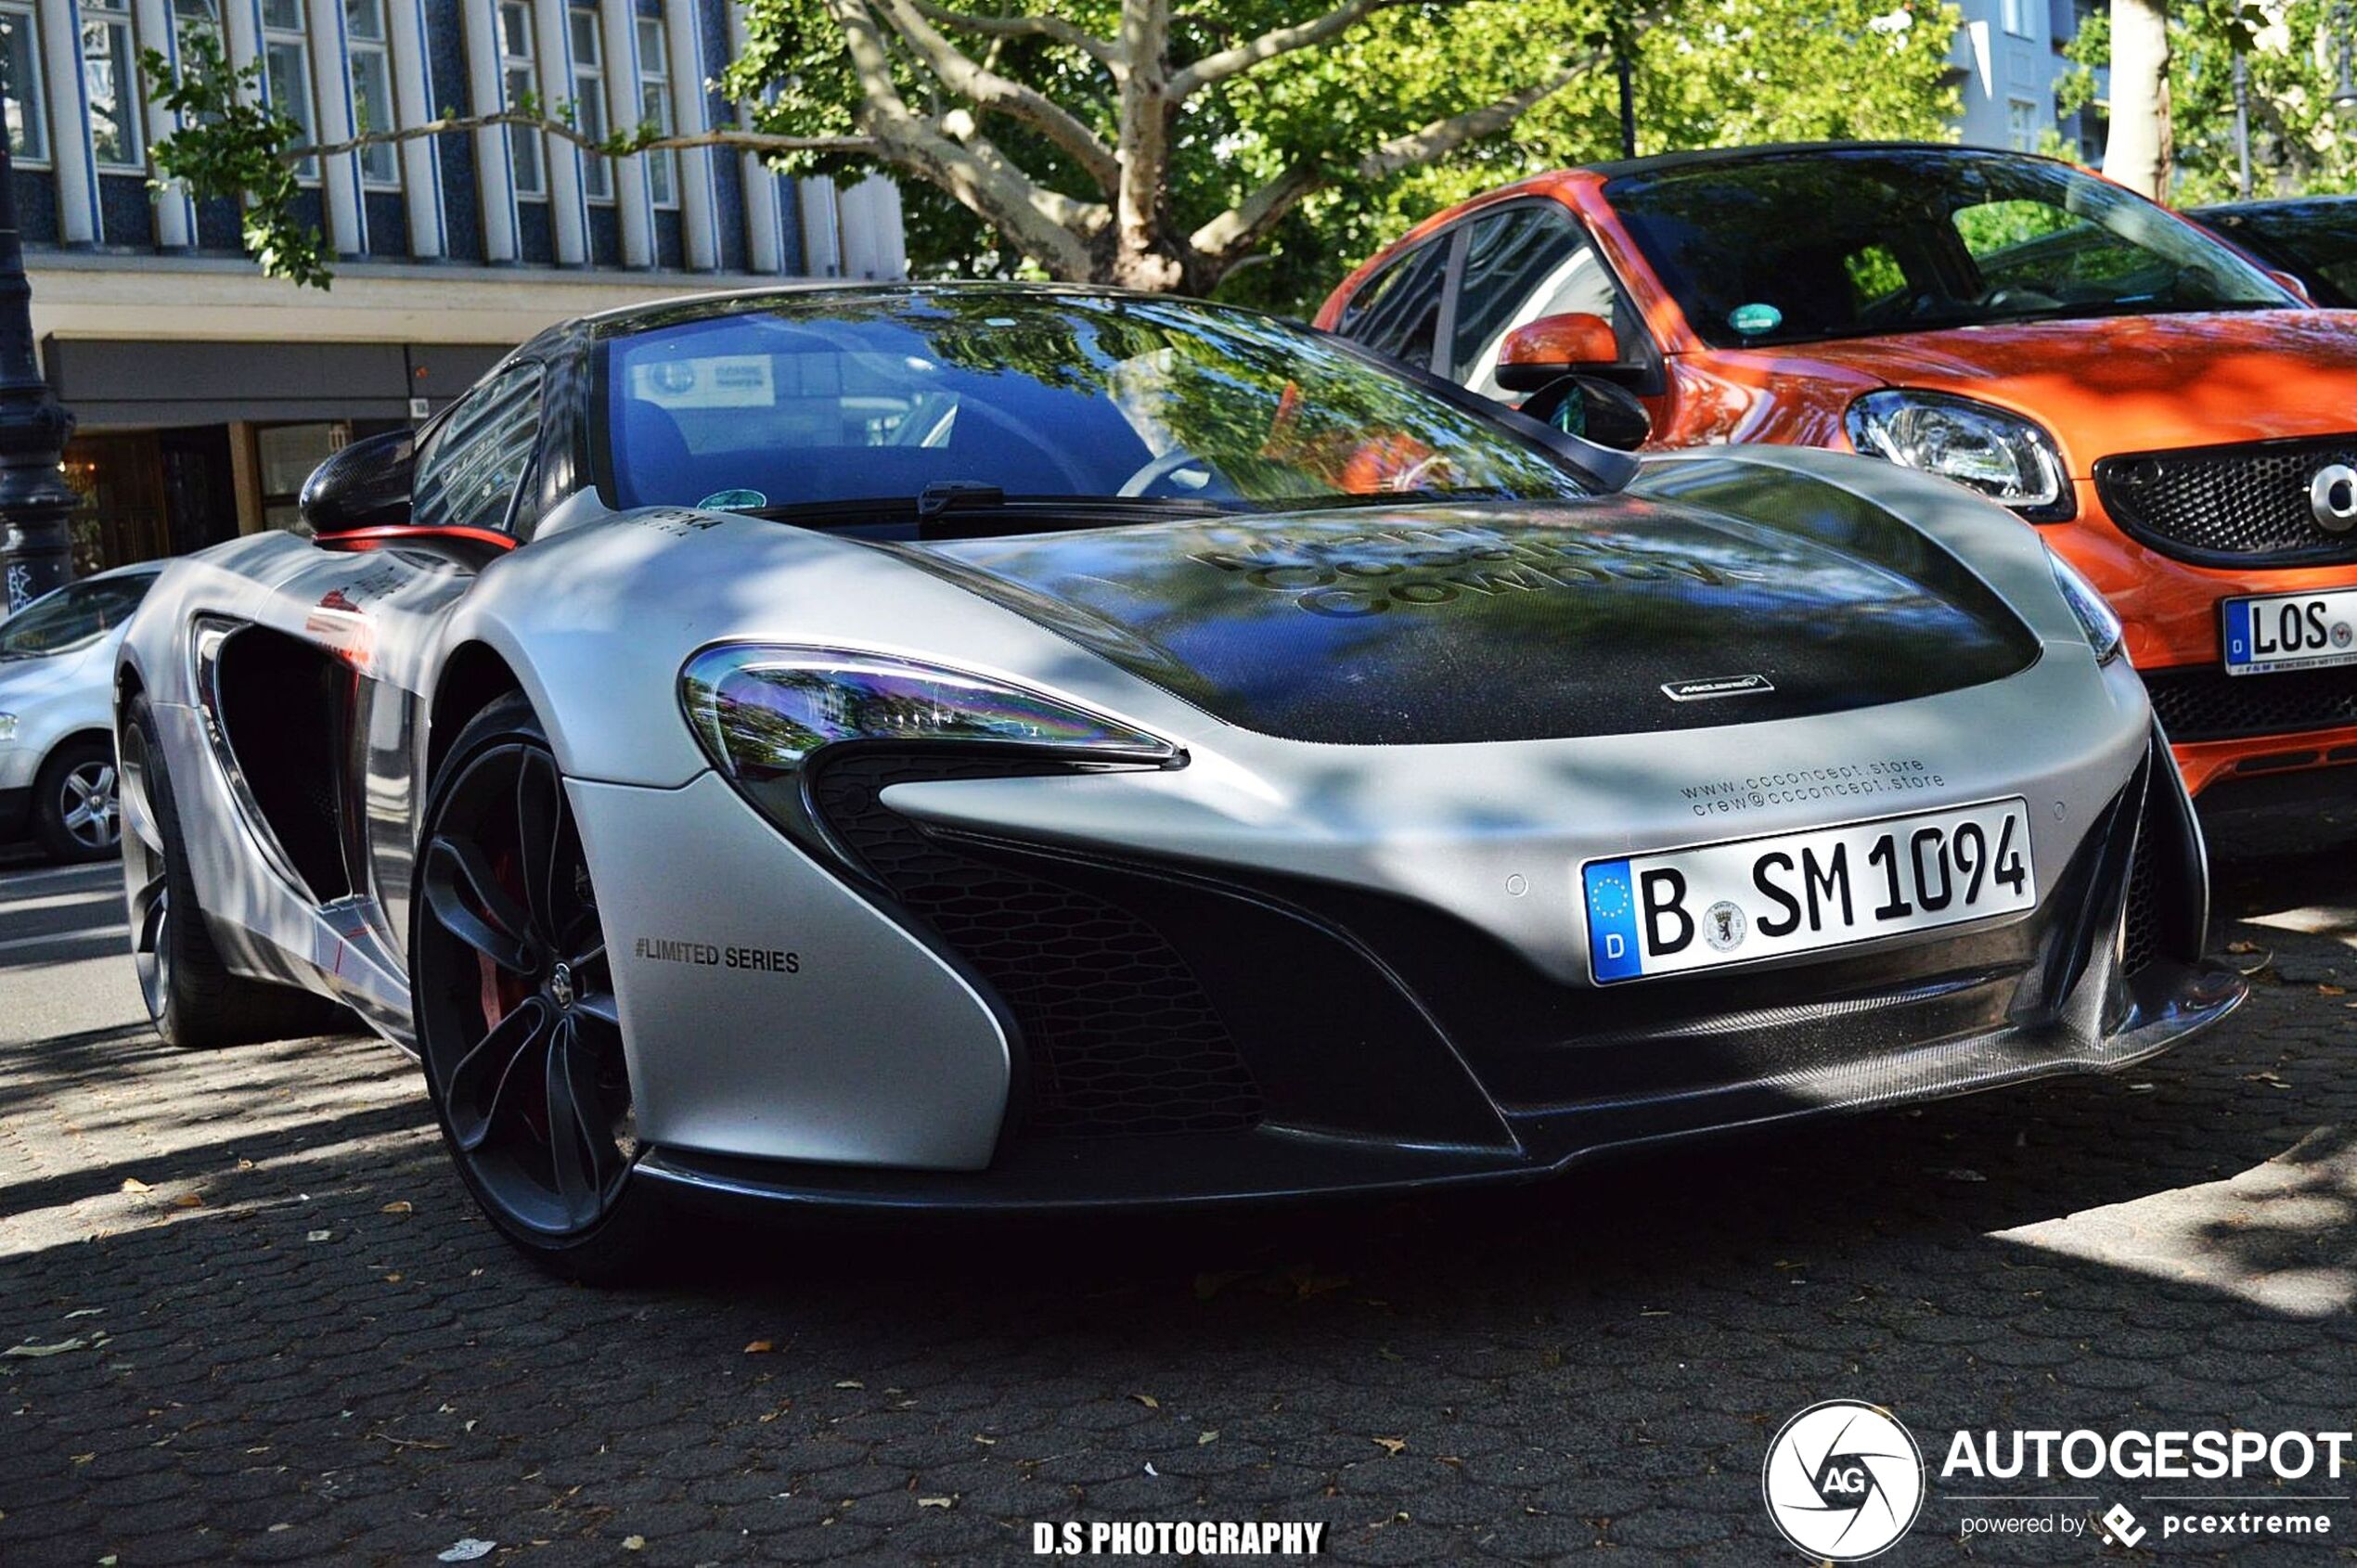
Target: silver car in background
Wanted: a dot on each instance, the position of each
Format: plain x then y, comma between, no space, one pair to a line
57,719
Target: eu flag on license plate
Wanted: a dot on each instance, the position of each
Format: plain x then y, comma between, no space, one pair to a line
1612,921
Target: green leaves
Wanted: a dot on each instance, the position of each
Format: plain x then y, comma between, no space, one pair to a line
232,144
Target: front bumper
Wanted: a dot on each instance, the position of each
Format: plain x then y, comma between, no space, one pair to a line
2225,731
1360,1043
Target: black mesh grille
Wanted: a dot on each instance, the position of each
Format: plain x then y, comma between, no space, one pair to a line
2205,703
2140,940
2242,505
1121,1038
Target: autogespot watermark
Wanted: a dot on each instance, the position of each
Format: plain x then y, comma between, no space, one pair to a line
1845,1481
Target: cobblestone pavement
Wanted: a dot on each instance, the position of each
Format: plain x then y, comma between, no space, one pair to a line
279,1332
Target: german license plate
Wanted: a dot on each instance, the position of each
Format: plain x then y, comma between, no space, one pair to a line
1793,892
2291,632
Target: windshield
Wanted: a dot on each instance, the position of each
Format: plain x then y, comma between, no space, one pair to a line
73,617
2316,241
968,396
1791,249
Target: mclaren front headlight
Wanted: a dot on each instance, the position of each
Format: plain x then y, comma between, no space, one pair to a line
2001,455
2095,616
764,715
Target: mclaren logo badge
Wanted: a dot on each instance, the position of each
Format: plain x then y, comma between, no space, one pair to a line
2332,497
1717,686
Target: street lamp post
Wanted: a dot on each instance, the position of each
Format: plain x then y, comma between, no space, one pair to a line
2344,98
2242,124
36,548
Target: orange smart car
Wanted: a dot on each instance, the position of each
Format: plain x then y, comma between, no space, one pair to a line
2180,423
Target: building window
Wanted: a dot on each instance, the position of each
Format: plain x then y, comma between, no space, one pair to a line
110,77
286,70
20,85
589,99
654,109
516,74
364,22
2017,21
287,454
2022,125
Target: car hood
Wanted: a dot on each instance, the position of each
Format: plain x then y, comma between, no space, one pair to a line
1426,624
42,674
2139,383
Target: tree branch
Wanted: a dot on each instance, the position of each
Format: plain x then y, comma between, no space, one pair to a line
992,190
1244,225
986,89
1443,136
1270,46
1052,28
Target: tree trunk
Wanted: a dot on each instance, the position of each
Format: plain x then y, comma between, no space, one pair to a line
2140,148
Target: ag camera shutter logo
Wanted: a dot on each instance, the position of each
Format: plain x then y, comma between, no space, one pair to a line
1843,1481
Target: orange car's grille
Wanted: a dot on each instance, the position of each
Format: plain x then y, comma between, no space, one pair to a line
2229,505
2205,703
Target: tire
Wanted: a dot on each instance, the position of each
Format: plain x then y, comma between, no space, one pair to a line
513,1005
75,816
192,997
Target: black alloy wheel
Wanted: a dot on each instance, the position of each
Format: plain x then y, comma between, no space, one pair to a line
514,1002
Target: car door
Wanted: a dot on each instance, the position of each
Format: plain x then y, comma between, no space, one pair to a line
475,488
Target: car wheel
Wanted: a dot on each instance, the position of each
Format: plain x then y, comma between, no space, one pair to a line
514,1006
192,996
74,815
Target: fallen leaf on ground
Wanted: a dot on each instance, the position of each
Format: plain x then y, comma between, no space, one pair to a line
83,1459
189,1201
398,1206
934,1502
1203,1438
1392,1445
760,1347
1148,1400
851,1382
634,1543
85,1312
329,1236
2332,990
466,1548
59,1348
2242,947
132,1184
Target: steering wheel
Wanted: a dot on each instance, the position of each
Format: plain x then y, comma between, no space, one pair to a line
1154,471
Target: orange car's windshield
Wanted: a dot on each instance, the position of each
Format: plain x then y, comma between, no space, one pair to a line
1801,247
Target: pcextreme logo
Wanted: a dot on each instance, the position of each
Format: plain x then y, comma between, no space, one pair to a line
1843,1481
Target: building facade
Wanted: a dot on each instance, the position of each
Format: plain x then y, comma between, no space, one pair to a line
2007,61
205,392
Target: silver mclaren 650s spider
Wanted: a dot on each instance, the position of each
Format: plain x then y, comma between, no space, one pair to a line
1003,747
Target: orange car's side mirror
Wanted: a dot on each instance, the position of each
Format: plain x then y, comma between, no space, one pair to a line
1537,352
2293,282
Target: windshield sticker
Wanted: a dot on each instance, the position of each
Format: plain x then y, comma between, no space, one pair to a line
1755,318
732,501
